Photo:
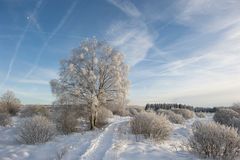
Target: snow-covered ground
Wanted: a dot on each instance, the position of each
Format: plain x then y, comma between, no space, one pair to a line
114,142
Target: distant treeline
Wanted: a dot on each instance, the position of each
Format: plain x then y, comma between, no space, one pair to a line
157,106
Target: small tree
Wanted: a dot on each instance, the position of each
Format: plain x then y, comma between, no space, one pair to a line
10,103
94,75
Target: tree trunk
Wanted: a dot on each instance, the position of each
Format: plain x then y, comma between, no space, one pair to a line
92,125
93,117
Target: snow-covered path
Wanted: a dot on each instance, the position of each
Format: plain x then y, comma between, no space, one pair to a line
100,145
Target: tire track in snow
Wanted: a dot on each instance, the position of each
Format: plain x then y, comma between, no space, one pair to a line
119,142
100,145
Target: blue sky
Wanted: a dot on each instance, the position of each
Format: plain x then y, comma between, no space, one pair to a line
184,51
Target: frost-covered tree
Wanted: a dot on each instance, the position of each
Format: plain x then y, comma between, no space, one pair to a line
94,75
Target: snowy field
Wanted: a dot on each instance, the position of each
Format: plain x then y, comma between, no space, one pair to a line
114,142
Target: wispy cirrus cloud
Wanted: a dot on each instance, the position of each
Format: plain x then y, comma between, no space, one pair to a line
41,76
207,76
133,39
19,43
34,81
202,67
35,88
216,14
127,7
131,36
33,20
53,33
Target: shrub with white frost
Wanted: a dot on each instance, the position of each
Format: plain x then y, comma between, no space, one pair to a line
67,121
172,117
214,140
187,114
235,122
102,116
236,107
133,111
200,114
151,126
9,103
36,130
225,116
5,119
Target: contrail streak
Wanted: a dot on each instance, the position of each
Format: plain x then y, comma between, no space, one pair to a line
59,26
19,43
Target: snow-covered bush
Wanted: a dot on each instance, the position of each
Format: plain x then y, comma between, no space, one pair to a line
35,130
2,108
224,116
132,111
118,111
215,140
9,103
235,122
102,116
187,114
172,117
67,122
151,126
35,110
200,114
5,119
236,107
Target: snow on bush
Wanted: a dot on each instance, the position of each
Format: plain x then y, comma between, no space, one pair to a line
35,130
187,114
235,122
67,122
224,116
151,126
102,116
116,109
236,107
5,119
133,111
215,140
35,110
200,114
172,117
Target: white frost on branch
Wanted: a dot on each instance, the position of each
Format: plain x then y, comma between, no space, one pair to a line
81,56
85,49
95,60
71,67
